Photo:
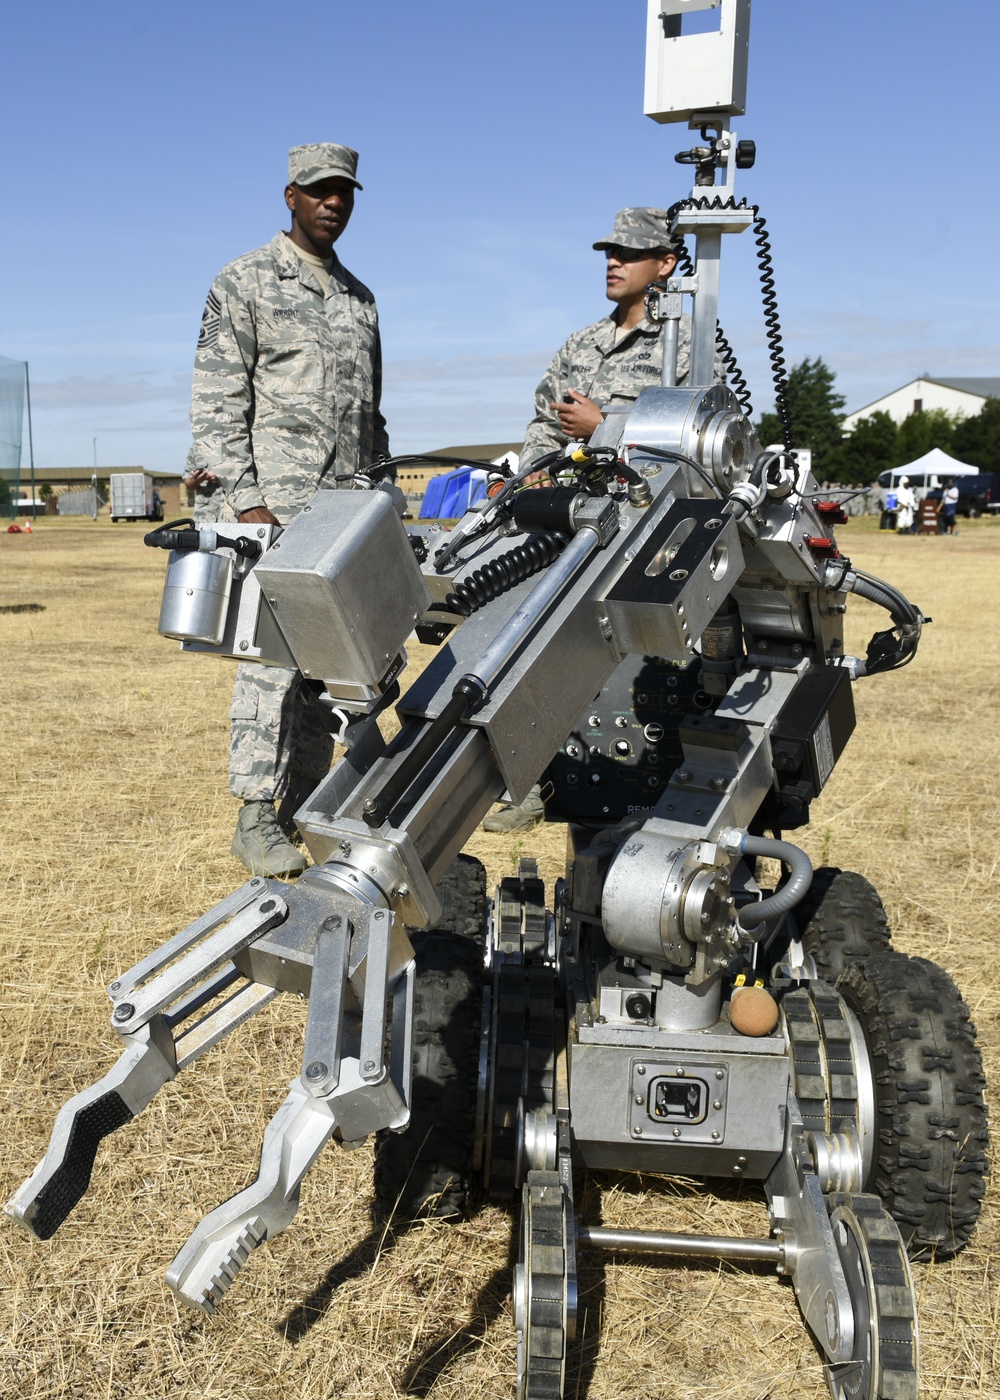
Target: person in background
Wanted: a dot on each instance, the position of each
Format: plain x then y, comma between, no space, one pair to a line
209,497
949,507
906,505
286,402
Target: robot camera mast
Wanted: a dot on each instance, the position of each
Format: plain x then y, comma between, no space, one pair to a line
696,71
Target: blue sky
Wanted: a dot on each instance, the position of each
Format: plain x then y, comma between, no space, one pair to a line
145,146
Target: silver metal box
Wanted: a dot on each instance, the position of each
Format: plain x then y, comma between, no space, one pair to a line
737,1129
676,582
345,587
696,72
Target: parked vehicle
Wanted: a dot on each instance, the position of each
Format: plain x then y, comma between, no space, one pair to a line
133,497
978,492
977,495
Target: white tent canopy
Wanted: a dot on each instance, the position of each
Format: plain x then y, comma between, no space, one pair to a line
935,461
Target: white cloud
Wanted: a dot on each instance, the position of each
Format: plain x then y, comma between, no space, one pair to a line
109,390
438,370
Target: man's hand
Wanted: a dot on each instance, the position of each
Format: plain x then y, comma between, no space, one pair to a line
200,477
259,515
579,417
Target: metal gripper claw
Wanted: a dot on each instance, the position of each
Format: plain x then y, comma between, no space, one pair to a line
357,967
217,1249
345,1089
63,1175
164,991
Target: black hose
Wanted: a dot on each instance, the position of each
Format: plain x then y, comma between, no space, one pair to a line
174,535
887,651
628,474
487,520
438,458
670,456
734,374
170,536
503,573
772,326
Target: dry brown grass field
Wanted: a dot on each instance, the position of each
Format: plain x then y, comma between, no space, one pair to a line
115,832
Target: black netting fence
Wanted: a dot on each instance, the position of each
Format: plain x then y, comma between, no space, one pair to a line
12,382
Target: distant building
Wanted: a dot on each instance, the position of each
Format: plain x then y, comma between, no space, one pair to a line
964,396
76,482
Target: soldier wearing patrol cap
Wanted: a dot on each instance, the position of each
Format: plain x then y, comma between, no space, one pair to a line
287,383
611,361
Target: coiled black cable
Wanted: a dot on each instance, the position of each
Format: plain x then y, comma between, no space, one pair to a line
772,326
775,348
733,372
726,352
502,573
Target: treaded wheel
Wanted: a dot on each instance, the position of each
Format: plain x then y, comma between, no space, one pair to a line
824,1074
427,1169
462,892
841,919
542,1288
929,1161
525,1025
884,1362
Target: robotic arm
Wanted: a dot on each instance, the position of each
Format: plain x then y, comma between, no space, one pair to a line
676,540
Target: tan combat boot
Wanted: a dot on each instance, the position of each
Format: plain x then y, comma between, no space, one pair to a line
514,816
261,844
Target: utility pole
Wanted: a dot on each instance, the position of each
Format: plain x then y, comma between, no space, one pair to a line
31,441
95,480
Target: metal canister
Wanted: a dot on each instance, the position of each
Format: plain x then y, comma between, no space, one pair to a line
196,596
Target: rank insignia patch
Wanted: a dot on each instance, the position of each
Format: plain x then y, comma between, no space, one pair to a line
208,337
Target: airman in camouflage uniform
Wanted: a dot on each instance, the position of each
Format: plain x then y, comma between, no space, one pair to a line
287,383
209,497
613,360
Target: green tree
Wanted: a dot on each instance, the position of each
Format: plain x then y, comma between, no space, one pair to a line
769,429
816,411
868,449
921,431
6,498
977,440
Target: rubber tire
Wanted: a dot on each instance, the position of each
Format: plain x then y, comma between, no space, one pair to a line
427,1169
462,892
841,920
929,1165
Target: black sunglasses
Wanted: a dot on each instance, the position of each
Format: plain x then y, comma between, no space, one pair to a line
630,255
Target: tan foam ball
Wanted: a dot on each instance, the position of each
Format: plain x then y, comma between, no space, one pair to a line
753,1011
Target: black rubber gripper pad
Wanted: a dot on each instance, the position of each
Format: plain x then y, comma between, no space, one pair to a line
70,1180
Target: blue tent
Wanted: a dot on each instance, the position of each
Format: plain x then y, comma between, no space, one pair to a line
450,495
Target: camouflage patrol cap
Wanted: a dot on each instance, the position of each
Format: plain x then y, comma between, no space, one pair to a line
641,228
322,161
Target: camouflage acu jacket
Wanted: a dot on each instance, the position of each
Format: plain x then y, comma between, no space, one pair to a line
591,362
287,382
